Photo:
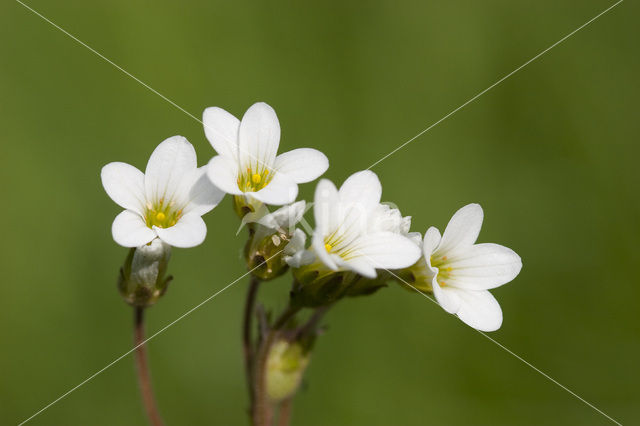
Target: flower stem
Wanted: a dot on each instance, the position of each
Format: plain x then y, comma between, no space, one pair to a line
284,412
262,408
142,365
247,345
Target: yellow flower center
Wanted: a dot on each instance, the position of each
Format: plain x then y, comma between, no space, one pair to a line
328,247
161,215
253,181
444,271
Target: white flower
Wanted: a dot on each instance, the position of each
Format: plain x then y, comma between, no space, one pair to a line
294,253
167,201
355,232
285,217
247,162
461,272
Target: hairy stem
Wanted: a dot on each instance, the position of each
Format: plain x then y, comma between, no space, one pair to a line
247,345
142,365
262,409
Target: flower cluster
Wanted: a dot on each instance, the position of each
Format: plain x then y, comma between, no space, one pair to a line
358,244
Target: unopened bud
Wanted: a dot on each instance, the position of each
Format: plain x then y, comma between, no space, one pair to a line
142,278
264,254
286,364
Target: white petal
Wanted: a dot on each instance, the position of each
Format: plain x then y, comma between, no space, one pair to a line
386,250
259,138
480,310
203,195
447,297
326,207
296,243
302,165
221,129
281,190
431,241
294,252
130,230
317,243
170,163
363,188
463,228
285,217
190,231
416,237
360,266
125,185
223,173
483,267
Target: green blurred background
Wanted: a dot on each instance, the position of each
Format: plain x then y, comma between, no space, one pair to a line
551,154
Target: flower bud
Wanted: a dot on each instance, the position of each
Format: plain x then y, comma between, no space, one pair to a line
286,364
270,235
244,205
315,285
142,281
264,255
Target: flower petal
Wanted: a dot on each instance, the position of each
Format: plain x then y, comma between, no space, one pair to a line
302,165
130,230
125,185
281,190
169,164
430,244
190,231
480,310
317,243
446,296
483,267
463,228
386,250
326,207
223,173
360,266
363,188
285,217
221,129
259,137
203,195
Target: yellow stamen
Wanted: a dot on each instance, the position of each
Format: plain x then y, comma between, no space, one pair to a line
328,247
256,178
160,217
266,172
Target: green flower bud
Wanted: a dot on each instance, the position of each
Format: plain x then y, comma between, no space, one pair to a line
286,364
244,205
141,281
316,285
264,254
269,236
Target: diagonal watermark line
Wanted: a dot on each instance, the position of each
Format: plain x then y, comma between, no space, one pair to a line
500,345
128,74
74,38
374,164
94,375
495,84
